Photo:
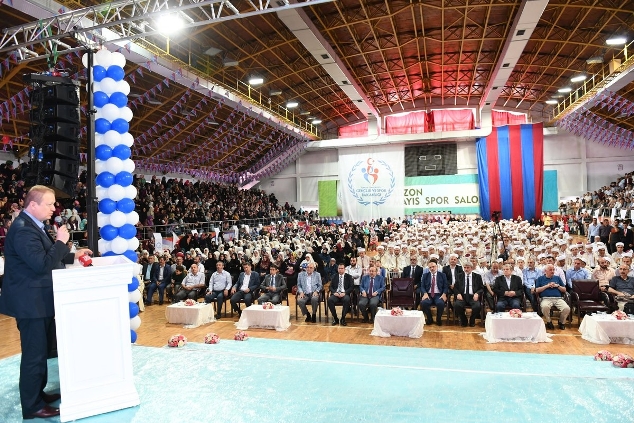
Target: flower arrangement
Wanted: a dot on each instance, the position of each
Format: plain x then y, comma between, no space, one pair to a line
603,355
623,361
212,338
268,305
190,302
177,341
396,311
619,315
516,312
240,336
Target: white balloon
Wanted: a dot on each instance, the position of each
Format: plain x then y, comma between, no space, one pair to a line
108,86
114,165
135,322
117,218
99,139
101,192
123,87
128,166
133,244
126,114
102,219
104,58
103,245
131,192
127,139
112,138
117,59
84,60
132,218
100,166
96,86
110,112
119,245
116,192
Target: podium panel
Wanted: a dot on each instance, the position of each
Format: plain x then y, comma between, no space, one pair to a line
93,338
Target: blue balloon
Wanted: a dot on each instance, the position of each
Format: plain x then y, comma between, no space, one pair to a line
118,99
132,256
98,73
108,232
103,152
134,284
127,231
107,206
132,336
125,205
109,254
134,309
105,179
102,125
122,152
100,98
120,125
124,178
115,72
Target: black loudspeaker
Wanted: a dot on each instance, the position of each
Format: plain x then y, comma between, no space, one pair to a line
62,113
63,186
62,167
56,94
62,149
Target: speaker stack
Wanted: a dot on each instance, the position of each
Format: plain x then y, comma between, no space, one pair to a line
55,132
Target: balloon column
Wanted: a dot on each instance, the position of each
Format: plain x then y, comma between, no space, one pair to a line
113,167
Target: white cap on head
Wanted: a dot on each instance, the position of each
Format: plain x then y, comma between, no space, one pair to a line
620,244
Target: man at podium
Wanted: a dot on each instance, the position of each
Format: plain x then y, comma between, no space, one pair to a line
31,254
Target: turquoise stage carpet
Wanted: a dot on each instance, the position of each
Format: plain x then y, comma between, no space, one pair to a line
263,380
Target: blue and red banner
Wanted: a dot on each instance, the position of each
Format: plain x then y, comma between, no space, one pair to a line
511,171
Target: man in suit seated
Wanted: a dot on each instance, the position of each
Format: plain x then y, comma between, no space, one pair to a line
508,288
219,285
433,290
341,287
413,271
551,288
468,290
244,288
272,286
308,288
371,290
161,277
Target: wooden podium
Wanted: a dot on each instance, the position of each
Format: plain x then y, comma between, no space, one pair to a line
93,337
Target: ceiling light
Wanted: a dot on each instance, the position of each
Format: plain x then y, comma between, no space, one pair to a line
256,80
154,102
578,78
316,121
212,51
212,122
564,90
291,104
595,60
304,113
168,24
230,62
551,101
275,92
615,41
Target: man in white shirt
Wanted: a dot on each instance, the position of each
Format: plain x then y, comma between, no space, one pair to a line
219,285
191,284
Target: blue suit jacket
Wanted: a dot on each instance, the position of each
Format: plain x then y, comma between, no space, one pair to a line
30,257
254,281
167,274
441,282
302,284
379,284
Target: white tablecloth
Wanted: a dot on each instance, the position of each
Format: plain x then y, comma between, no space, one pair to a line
409,324
504,328
255,316
605,329
190,316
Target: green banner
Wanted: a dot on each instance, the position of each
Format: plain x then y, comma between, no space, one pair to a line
327,198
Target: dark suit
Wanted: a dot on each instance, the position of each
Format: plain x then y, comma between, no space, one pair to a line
417,276
447,271
370,301
155,266
500,286
348,286
628,239
254,282
460,287
433,299
279,282
160,284
27,294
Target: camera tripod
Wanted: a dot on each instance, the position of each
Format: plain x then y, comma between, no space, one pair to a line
497,235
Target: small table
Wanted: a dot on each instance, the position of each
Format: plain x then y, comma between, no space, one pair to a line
190,316
410,324
501,327
256,316
605,329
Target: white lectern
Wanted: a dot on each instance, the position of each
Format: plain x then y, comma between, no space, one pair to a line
93,337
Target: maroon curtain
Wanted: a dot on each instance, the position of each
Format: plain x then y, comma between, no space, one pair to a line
353,131
408,123
507,118
453,120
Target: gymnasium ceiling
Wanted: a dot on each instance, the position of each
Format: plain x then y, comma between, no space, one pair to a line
400,56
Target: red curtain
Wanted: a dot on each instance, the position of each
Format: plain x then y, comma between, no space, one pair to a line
353,131
408,123
507,118
453,120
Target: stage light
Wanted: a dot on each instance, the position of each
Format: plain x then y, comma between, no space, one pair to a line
615,41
